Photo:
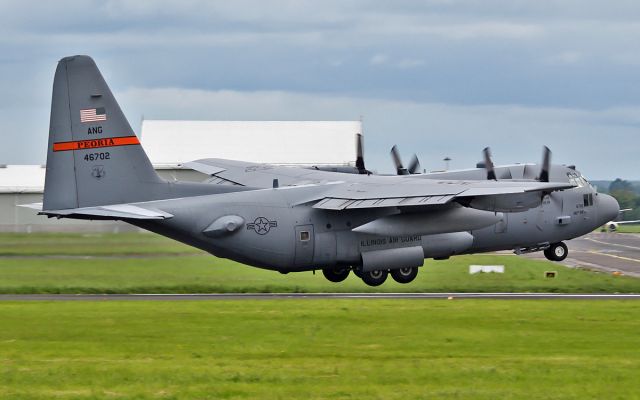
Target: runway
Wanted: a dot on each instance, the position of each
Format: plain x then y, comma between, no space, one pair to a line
605,251
311,296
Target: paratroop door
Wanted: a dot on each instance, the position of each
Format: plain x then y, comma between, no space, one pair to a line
304,244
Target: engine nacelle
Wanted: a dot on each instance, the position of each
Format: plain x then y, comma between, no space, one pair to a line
508,202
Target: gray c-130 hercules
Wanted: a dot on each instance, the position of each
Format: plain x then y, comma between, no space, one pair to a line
289,219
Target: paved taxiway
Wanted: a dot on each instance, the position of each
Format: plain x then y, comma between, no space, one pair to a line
272,296
605,251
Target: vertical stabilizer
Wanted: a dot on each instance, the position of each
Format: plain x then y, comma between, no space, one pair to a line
93,156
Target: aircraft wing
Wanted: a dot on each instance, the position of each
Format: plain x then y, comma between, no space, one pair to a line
262,175
485,195
349,191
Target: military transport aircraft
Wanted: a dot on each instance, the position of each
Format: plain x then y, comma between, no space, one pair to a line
293,219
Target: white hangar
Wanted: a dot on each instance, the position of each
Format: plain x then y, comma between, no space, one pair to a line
169,144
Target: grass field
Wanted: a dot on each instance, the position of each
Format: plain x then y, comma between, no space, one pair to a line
144,263
320,349
629,228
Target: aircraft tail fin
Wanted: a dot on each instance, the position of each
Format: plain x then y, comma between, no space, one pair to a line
93,157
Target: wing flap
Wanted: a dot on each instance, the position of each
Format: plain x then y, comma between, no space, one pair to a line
331,203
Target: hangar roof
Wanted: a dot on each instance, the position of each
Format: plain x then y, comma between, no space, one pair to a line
276,142
21,178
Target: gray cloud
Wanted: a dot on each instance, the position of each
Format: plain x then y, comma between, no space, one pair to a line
433,130
573,58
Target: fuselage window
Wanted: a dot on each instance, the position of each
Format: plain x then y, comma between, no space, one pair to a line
304,236
587,199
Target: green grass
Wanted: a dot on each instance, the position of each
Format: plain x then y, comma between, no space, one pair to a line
94,244
206,274
320,349
629,228
143,263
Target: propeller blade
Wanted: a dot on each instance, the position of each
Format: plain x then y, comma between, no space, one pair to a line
546,165
360,155
397,162
414,165
488,164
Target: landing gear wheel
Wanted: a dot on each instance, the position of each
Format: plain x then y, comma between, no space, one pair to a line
375,278
556,252
336,274
357,272
404,275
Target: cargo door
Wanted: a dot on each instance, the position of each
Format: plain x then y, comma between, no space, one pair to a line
304,244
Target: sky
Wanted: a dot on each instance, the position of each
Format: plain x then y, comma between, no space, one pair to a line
441,78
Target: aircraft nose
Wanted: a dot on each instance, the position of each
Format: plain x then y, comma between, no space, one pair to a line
608,208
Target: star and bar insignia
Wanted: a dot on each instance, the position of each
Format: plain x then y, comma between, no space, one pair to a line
261,225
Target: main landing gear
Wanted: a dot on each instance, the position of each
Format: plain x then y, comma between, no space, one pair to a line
404,275
336,274
375,278
371,278
556,252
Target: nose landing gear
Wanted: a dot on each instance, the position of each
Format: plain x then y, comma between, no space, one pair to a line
556,252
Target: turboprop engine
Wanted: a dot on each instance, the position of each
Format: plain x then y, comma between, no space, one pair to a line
455,219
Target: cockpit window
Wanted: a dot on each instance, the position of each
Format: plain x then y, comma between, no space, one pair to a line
577,179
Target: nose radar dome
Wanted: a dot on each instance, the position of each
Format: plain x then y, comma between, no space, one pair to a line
608,208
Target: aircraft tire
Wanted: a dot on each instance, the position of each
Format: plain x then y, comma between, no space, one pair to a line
357,272
375,278
556,252
335,274
404,275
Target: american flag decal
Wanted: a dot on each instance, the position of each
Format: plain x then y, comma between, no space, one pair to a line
93,115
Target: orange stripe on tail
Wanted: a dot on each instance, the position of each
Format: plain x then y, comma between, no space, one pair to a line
96,143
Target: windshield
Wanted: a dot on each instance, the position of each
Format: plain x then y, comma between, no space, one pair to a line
577,179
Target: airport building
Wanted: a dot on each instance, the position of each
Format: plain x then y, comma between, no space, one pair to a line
169,144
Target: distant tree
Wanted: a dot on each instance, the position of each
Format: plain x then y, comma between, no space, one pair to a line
620,185
624,192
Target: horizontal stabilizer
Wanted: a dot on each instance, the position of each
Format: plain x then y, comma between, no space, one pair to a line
116,211
33,206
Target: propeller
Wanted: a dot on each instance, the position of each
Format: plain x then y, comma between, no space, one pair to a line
397,162
546,165
414,165
360,155
488,164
